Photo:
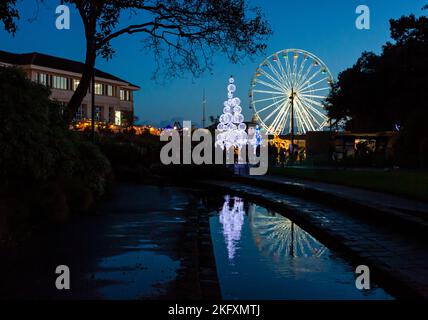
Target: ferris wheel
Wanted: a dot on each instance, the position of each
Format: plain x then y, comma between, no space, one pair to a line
288,90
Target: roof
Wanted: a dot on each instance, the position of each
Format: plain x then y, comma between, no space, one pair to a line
44,60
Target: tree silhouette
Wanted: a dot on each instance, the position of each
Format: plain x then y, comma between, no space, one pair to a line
382,92
184,35
9,15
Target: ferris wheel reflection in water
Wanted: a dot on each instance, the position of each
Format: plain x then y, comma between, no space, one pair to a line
273,234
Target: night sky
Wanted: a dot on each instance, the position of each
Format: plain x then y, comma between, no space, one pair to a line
325,28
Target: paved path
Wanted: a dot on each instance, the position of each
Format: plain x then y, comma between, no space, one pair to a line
367,197
401,261
376,206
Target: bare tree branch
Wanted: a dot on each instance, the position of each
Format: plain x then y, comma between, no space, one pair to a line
183,35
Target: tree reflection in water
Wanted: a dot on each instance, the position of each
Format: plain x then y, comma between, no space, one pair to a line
232,219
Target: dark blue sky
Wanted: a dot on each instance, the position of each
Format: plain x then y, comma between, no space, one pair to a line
323,27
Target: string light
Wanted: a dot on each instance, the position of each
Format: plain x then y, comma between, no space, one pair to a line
232,127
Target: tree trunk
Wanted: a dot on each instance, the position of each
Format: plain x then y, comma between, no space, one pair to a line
85,80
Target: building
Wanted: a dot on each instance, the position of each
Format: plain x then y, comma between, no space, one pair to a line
350,148
327,148
114,97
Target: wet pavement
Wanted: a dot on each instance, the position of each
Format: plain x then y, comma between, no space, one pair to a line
141,244
367,197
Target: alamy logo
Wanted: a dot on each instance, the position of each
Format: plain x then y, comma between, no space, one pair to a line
62,22
362,282
63,280
178,150
363,20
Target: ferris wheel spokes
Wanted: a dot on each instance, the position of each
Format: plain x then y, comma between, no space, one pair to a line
312,105
288,67
271,105
302,65
318,113
283,73
287,73
313,96
308,100
267,99
316,90
286,115
267,75
269,92
275,72
310,79
315,83
272,113
305,119
278,118
305,77
274,87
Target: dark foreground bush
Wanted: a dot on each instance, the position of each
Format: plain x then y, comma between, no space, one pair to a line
46,171
187,173
412,145
131,156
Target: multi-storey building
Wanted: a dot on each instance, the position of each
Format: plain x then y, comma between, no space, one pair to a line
114,97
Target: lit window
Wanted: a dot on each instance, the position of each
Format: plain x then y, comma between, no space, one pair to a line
97,113
43,79
125,95
98,88
117,118
109,90
75,84
80,114
59,82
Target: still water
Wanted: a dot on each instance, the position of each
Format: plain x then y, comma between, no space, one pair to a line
136,246
261,254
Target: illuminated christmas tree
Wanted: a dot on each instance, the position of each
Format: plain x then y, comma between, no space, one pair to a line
232,127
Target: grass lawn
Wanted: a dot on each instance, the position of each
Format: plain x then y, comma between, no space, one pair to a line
411,184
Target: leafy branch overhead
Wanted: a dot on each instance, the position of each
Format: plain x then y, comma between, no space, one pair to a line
183,34
9,15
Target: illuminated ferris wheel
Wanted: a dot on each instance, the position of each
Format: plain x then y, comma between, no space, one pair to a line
288,90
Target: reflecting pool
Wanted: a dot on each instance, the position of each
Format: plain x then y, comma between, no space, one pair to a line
261,254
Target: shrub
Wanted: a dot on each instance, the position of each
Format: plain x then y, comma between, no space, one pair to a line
24,129
131,156
412,146
46,170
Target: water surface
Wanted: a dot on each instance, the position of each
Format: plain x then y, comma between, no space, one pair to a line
261,254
